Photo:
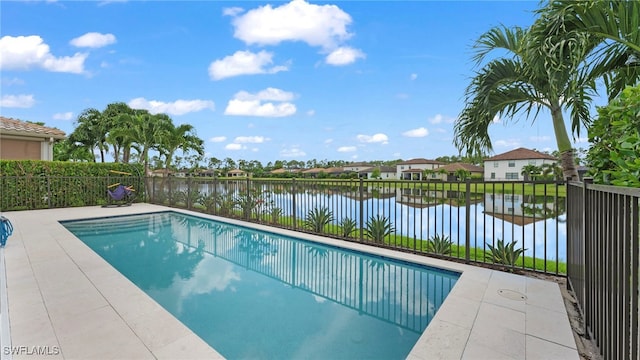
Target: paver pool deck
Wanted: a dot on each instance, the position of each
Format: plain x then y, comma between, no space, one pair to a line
65,302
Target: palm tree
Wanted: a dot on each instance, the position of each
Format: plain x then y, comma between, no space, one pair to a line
91,132
521,83
612,24
530,172
146,132
118,117
179,137
551,171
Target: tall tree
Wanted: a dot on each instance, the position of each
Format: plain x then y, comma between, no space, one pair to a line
117,117
614,25
147,132
520,82
91,132
181,137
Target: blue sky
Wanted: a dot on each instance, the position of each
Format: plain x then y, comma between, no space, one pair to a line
337,80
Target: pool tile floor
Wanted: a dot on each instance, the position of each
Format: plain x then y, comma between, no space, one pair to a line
65,302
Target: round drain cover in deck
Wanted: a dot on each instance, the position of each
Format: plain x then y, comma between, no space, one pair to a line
512,295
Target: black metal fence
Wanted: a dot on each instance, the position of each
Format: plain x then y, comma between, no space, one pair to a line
603,264
454,220
47,192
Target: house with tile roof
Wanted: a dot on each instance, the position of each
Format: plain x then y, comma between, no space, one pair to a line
357,166
414,169
21,140
508,166
449,172
386,172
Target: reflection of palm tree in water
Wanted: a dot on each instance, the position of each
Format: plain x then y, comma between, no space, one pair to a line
153,260
256,245
317,251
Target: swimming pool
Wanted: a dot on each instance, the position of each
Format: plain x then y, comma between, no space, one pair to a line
254,294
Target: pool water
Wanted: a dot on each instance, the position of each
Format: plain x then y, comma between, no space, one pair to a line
254,294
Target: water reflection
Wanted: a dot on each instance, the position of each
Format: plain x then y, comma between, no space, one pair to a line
230,283
537,223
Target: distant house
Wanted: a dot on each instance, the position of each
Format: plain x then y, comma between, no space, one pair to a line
508,166
207,173
413,169
332,171
162,172
236,173
21,140
282,171
386,172
449,172
357,167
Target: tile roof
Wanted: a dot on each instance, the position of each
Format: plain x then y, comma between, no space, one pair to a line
357,164
18,127
384,169
521,154
419,161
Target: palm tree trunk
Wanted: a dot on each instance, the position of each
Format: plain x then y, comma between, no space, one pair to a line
567,159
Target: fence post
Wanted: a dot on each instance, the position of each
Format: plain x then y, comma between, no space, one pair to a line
249,200
169,180
154,190
188,192
293,202
49,191
215,193
586,253
361,190
467,221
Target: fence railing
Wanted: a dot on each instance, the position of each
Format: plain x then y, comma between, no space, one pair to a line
603,264
48,192
455,220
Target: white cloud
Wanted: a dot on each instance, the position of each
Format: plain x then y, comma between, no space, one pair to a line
413,76
317,25
268,94
439,118
250,139
63,116
17,101
232,11
343,56
178,107
26,52
543,138
292,152
497,120
581,140
93,40
440,130
347,149
376,138
513,143
328,141
311,112
244,63
419,132
244,103
235,147
216,139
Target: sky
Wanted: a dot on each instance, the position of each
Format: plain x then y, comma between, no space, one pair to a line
336,80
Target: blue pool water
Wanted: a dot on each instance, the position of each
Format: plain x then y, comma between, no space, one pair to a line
253,294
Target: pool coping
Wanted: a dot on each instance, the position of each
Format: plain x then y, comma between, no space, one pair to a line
65,301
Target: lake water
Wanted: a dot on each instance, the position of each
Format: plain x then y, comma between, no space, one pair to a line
537,223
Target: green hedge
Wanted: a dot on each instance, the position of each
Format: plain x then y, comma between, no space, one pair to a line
34,184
